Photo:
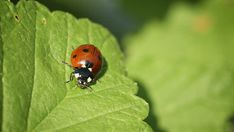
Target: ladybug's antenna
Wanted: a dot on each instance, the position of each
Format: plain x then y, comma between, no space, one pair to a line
90,89
66,64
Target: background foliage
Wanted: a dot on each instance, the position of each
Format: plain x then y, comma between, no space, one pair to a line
185,67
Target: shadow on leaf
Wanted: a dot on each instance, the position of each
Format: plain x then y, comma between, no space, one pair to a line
152,118
230,124
104,68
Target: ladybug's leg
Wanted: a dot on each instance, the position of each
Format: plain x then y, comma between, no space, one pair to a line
71,77
95,79
66,64
89,88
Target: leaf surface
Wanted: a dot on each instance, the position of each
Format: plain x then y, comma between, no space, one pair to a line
35,97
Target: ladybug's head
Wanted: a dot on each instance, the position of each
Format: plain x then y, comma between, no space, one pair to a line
84,77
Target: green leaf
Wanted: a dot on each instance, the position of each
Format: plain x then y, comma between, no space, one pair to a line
35,97
186,69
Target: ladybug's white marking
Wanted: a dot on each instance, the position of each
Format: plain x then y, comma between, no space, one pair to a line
77,75
90,69
83,64
89,79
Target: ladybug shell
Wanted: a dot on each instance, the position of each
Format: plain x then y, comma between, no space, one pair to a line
87,53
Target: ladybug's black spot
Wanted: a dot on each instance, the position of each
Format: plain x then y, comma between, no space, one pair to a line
74,56
85,50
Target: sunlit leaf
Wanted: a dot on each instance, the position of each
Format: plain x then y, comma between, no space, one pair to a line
35,97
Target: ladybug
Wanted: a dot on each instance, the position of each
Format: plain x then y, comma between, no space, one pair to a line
86,61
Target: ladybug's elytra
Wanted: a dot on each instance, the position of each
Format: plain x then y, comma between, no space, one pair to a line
86,61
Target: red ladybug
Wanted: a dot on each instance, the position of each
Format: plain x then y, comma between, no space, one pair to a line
86,61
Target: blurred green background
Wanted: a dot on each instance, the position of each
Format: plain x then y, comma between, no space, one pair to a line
119,16
181,53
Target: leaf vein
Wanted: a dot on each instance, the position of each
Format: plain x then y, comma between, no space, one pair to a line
65,85
31,95
93,92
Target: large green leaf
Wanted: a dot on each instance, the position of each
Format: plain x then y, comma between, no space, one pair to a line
35,97
186,69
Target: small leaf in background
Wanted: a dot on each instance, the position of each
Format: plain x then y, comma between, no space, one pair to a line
35,97
185,68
